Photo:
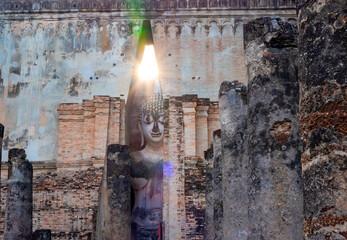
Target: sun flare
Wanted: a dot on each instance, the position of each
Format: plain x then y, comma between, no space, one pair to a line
148,68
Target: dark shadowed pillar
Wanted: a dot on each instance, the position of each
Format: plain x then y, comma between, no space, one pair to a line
217,186
209,194
275,182
42,235
233,117
114,214
323,109
19,204
214,194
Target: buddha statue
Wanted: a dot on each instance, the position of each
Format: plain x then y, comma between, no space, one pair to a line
147,170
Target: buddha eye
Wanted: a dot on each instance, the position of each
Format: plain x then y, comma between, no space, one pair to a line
161,120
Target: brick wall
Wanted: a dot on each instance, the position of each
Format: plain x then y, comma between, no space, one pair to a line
85,129
66,192
64,202
195,197
189,124
173,188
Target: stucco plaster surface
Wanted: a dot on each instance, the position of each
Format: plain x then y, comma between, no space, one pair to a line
46,60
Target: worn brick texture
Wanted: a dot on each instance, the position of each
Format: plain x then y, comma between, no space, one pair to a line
173,187
195,197
86,128
65,202
182,215
323,114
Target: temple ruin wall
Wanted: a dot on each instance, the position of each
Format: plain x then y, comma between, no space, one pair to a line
68,57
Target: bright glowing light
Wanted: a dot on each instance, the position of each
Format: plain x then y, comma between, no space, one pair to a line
148,69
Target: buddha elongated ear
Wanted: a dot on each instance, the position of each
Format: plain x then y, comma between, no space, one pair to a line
142,136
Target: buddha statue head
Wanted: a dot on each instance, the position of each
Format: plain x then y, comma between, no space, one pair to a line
151,121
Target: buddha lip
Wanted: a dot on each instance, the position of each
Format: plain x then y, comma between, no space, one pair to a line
156,134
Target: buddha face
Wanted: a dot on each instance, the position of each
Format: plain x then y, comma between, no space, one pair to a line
153,127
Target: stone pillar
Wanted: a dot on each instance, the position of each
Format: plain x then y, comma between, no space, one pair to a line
19,203
275,181
323,108
202,127
214,191
114,213
189,103
209,194
233,115
217,186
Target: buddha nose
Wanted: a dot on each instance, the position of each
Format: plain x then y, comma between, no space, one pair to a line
155,127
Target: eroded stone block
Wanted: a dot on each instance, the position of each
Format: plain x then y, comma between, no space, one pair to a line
19,203
275,179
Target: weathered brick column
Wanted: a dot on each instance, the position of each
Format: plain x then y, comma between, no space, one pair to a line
275,182
323,114
114,214
235,171
189,103
19,203
195,197
202,126
174,216
88,128
102,112
71,124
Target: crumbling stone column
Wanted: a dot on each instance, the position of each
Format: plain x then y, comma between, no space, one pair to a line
323,107
214,189
233,116
19,204
275,182
114,214
209,228
217,186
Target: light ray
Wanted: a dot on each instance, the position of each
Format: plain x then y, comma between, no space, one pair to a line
148,69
